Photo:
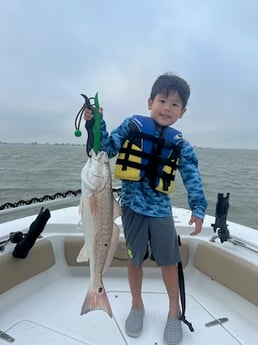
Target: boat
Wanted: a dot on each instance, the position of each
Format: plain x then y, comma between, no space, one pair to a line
41,295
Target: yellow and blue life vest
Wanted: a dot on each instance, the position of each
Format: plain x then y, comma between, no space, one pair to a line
144,154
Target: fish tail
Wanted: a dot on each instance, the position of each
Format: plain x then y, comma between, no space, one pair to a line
95,300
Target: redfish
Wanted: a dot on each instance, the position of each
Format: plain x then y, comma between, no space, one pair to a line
98,210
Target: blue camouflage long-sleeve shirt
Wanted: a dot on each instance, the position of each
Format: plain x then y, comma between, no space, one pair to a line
139,196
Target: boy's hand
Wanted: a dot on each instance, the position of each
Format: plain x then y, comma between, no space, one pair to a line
198,225
88,113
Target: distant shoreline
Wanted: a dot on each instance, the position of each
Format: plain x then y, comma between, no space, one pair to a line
73,144
35,143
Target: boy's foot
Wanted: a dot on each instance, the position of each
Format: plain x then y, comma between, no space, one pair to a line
173,333
134,322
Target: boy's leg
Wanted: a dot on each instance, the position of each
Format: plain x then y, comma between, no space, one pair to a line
170,278
173,330
165,251
137,245
134,321
135,276
136,235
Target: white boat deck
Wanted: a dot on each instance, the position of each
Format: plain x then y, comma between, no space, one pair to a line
46,308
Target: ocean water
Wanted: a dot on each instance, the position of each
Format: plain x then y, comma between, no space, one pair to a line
34,170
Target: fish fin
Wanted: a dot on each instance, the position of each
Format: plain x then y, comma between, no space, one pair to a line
96,300
112,247
83,256
117,212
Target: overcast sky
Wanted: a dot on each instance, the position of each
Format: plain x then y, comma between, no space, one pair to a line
53,50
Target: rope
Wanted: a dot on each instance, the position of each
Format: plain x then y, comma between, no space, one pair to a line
48,198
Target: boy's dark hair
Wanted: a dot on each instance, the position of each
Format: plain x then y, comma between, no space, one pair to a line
169,82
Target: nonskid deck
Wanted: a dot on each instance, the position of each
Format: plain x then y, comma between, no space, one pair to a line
46,310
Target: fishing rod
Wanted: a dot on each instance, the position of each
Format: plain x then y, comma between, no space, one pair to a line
221,226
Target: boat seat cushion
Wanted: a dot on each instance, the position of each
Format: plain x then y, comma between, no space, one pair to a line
73,244
14,271
229,270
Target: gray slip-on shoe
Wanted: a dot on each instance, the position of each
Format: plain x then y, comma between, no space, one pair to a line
173,333
134,322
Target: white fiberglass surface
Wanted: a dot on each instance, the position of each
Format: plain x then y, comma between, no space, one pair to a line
47,311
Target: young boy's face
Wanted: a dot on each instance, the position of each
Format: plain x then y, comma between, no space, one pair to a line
166,110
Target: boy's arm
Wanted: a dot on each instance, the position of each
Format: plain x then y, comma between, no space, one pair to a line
113,142
188,168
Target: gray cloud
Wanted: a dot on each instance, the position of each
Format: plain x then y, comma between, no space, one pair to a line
53,51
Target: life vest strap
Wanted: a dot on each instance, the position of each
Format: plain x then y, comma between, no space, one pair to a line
181,281
155,159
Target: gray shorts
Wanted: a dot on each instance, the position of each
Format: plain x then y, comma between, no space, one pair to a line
146,235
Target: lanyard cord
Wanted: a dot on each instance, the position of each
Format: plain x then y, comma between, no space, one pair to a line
77,123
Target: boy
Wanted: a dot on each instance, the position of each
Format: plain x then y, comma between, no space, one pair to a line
149,153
